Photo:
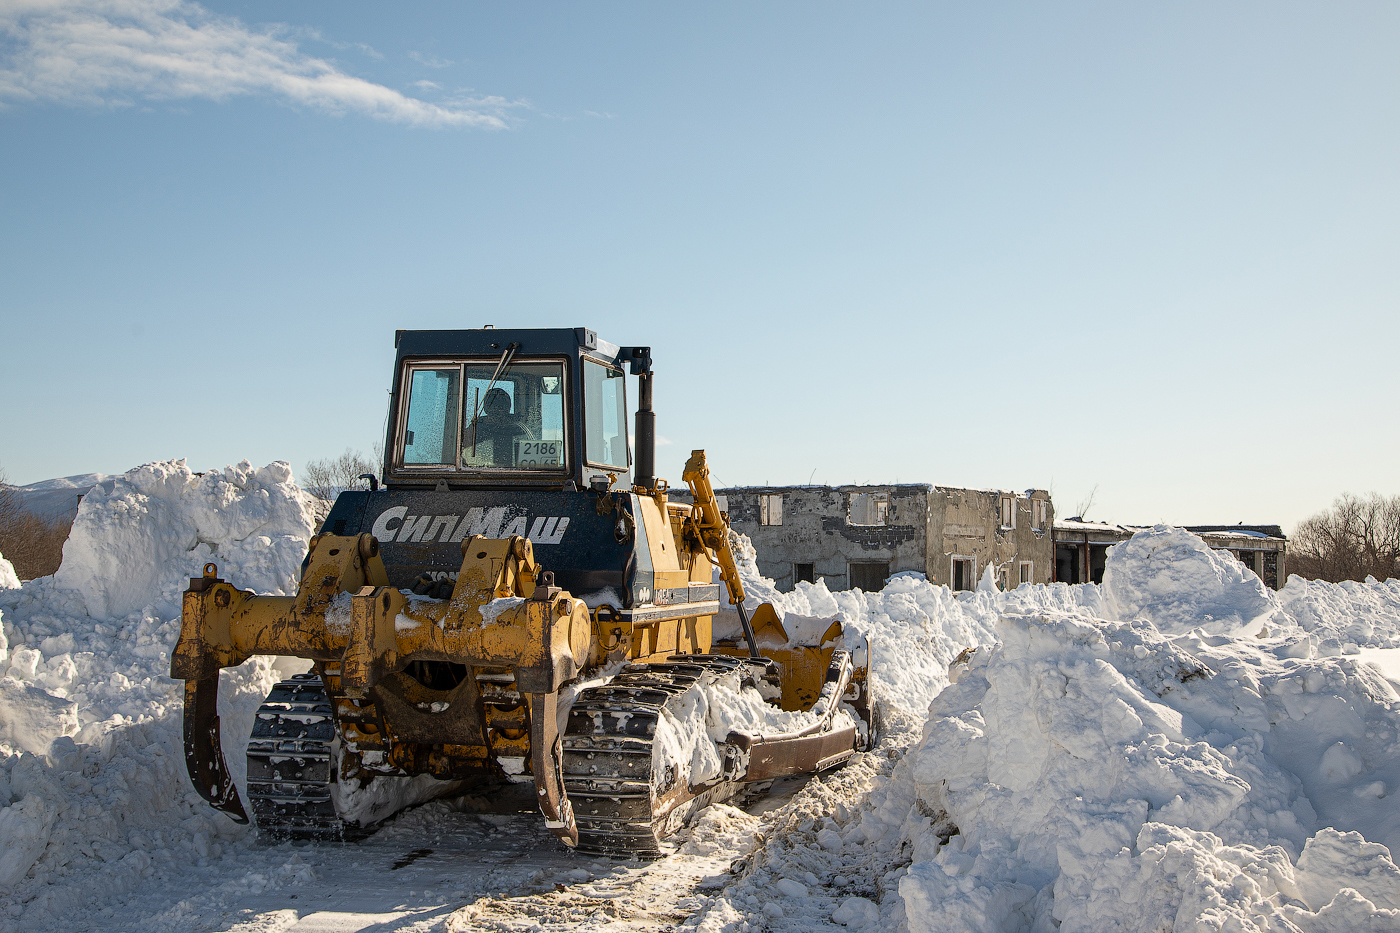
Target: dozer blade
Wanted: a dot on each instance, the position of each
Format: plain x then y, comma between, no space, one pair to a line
802,648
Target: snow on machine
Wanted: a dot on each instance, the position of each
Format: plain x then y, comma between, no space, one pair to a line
519,602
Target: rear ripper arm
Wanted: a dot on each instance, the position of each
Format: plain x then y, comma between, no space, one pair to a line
345,612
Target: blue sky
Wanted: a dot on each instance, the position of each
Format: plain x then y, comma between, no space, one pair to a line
1144,249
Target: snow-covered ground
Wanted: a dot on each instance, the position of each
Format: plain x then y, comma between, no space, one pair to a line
1178,748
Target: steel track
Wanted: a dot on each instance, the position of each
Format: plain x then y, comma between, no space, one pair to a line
291,763
621,806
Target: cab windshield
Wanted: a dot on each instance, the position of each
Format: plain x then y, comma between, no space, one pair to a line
515,422
482,416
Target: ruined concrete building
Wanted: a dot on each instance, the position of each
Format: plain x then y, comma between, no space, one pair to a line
1082,547
855,537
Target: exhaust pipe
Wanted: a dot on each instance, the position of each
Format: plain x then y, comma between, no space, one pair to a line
646,435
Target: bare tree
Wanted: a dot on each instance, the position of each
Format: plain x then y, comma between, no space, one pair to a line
328,478
1359,536
1081,511
32,543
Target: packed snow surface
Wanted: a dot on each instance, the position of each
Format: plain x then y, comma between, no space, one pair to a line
8,577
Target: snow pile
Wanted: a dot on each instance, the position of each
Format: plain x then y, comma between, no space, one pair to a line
138,543
1166,575
1173,578
1105,777
93,792
1176,580
8,579
690,727
1344,614
1095,775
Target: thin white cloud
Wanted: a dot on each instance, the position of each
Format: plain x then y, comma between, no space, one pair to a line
430,61
428,85
116,52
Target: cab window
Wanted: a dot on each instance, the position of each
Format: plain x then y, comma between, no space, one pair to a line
514,421
430,430
605,415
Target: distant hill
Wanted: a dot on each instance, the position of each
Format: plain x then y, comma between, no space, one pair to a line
58,498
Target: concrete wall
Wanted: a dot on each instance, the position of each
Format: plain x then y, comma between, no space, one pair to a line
968,523
816,529
924,528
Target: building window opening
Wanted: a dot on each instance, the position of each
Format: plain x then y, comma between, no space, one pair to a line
1008,511
1027,572
868,508
1098,558
869,575
1270,574
1002,580
804,573
964,573
1067,563
1040,513
770,509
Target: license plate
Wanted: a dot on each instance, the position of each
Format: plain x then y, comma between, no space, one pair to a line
539,453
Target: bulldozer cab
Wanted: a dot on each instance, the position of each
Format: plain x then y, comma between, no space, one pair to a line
505,433
487,408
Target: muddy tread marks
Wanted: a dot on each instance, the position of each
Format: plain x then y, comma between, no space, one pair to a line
608,752
291,765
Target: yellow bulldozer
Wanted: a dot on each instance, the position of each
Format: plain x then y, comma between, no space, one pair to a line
520,601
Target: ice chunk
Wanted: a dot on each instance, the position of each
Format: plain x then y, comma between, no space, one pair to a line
789,888
856,912
31,718
1333,860
24,833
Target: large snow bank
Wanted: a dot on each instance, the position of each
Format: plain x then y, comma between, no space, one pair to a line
1343,614
1236,771
8,577
1176,580
1107,777
93,791
1165,575
138,543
